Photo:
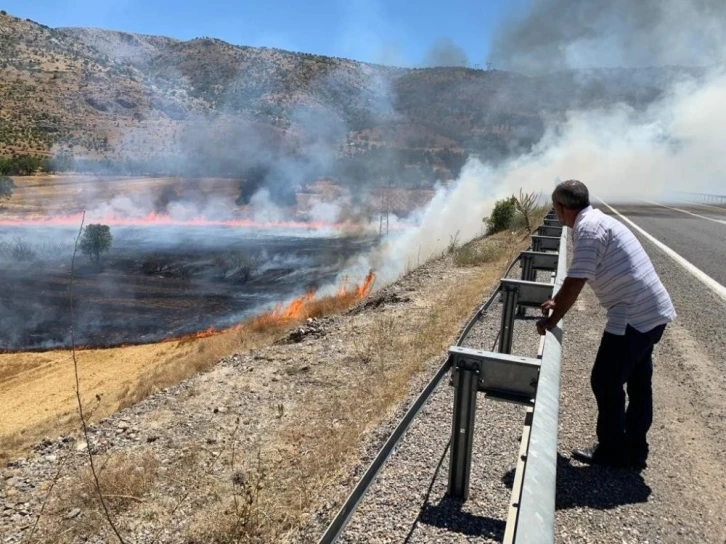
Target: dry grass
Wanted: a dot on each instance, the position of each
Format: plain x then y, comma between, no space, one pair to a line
125,480
316,444
267,495
476,253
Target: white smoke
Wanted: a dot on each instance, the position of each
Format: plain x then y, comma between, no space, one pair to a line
571,34
621,155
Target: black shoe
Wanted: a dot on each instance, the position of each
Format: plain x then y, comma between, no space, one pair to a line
638,463
598,456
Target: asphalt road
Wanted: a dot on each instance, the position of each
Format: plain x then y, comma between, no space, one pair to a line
699,238
680,497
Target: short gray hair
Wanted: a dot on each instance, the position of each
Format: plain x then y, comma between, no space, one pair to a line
572,194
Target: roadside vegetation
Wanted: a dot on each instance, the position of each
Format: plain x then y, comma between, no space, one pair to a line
265,491
516,215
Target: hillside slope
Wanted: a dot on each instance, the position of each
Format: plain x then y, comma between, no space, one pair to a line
96,94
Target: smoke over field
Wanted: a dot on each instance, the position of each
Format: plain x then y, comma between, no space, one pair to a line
197,262
158,282
629,98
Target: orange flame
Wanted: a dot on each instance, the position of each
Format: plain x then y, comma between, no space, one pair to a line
302,307
299,308
364,288
296,309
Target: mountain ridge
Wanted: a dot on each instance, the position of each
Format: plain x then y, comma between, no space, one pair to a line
114,96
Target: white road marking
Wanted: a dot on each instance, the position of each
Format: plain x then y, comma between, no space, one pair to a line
686,211
696,272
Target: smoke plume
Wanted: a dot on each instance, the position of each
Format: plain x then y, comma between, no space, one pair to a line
644,149
570,34
444,52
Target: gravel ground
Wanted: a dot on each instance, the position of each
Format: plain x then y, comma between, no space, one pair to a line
407,503
679,498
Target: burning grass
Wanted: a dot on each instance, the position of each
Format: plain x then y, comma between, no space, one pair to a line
262,485
315,445
37,392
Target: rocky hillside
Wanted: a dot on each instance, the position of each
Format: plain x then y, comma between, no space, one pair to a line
105,94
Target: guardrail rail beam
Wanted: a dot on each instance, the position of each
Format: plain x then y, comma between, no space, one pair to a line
545,243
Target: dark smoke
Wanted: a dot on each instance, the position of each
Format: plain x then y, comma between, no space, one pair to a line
558,35
167,195
444,52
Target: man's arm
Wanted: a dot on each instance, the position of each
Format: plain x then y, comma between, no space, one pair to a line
561,303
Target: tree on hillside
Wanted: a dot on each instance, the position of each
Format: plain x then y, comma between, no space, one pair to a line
96,239
502,215
7,186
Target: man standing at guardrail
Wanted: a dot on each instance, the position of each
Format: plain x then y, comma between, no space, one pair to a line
610,258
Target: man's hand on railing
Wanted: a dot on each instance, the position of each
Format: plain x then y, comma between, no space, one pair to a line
560,304
544,324
547,306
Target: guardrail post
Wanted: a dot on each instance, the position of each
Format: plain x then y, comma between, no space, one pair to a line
536,243
506,330
528,274
466,379
552,223
549,230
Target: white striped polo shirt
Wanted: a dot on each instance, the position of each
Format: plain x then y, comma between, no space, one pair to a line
620,273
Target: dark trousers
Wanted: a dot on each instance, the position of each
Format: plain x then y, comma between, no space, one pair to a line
625,361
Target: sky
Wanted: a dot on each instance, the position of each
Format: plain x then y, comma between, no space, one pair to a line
397,32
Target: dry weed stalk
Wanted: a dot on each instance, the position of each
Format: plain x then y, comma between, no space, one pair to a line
84,426
246,497
526,204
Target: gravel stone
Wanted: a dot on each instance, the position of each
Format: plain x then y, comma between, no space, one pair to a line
680,497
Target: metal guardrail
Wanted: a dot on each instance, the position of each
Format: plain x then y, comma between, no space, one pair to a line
532,382
702,197
535,382
336,527
532,509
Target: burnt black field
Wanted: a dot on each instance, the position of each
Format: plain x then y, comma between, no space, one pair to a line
155,282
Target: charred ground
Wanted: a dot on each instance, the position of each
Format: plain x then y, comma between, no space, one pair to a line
147,289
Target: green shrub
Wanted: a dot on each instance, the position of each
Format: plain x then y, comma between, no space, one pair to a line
502,215
7,186
96,239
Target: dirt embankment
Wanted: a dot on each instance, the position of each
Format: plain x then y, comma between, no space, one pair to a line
248,450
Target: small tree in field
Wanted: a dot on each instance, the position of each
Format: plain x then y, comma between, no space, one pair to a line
7,186
96,239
